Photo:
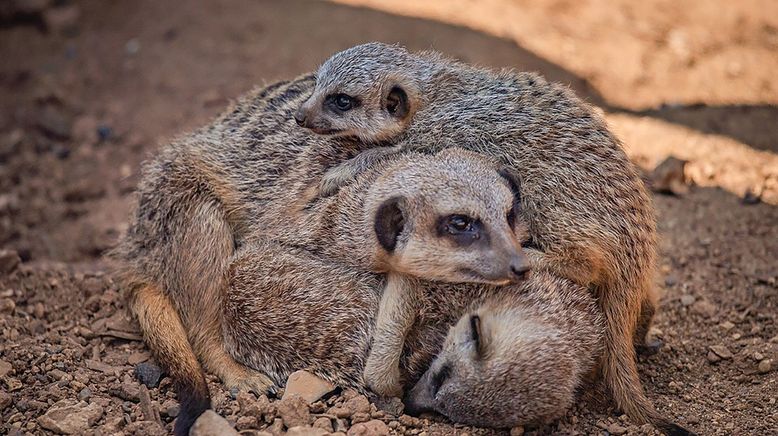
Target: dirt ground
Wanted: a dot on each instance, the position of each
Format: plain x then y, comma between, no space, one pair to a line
88,89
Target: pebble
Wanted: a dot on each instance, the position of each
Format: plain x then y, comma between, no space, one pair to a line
294,411
69,417
358,404
246,422
149,374
306,385
517,431
323,423
306,431
721,351
704,308
84,394
5,400
687,300
170,408
7,305
126,391
136,358
765,366
53,122
391,405
211,424
669,177
616,429
371,428
727,326
5,368
9,260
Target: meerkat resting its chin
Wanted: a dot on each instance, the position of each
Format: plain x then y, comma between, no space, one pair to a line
451,217
587,211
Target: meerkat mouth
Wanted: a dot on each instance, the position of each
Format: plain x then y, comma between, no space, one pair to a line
320,131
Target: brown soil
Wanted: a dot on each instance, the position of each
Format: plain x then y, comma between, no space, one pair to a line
89,91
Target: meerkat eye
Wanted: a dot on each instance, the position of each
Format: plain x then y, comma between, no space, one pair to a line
344,102
459,224
439,378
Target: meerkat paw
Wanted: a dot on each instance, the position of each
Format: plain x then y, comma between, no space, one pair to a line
384,381
334,179
249,380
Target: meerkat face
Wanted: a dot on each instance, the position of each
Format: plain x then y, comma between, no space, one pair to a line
499,367
451,217
361,92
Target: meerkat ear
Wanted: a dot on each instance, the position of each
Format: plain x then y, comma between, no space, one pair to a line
513,182
389,222
397,102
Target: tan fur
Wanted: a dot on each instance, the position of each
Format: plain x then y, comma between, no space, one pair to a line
588,211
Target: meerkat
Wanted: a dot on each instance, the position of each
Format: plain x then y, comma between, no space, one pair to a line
192,218
587,210
506,356
449,217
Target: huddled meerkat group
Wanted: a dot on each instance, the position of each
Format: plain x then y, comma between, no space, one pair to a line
402,223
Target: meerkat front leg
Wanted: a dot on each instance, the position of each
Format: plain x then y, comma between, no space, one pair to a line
396,314
341,174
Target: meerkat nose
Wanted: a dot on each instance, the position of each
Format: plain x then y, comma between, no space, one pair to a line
299,116
519,267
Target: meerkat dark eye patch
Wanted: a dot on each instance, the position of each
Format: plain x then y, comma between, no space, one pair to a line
476,334
439,378
341,102
397,103
464,230
389,222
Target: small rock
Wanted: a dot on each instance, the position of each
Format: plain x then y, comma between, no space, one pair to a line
149,374
84,394
307,386
669,177
294,411
616,429
323,423
358,404
358,417
751,198
5,400
39,311
211,424
69,417
170,408
5,368
370,428
721,351
9,260
246,422
391,405
127,392
7,305
727,326
61,19
305,431
136,358
54,123
57,374
687,300
517,431
671,280
765,366
13,384
704,308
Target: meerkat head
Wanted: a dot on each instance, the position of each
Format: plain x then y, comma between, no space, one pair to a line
448,217
368,91
500,366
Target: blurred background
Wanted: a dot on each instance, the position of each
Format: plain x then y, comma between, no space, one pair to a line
88,89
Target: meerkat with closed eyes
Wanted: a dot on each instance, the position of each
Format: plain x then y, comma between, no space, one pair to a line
587,210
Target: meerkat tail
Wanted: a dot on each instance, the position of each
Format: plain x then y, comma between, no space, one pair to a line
620,366
166,337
